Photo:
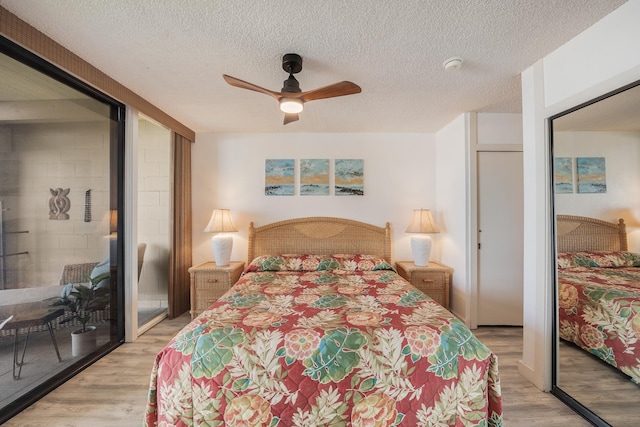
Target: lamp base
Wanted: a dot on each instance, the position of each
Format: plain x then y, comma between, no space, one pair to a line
421,249
222,245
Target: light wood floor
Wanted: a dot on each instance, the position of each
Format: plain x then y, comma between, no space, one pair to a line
602,388
113,390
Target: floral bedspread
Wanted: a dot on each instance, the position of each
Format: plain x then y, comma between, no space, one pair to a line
321,345
599,306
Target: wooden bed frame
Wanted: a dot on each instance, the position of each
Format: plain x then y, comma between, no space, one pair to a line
579,233
319,236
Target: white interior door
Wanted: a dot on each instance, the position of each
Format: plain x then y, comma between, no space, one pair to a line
500,238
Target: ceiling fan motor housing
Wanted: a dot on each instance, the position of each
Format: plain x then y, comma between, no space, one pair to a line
291,85
292,63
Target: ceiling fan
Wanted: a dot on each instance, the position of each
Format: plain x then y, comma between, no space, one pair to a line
291,98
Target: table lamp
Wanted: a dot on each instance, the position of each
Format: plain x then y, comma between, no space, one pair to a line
221,244
422,224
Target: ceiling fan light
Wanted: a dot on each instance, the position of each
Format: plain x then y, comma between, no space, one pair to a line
291,105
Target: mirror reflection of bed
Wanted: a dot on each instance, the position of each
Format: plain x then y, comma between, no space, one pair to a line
587,220
598,299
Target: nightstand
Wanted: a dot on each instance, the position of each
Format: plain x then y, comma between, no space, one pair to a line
209,282
433,279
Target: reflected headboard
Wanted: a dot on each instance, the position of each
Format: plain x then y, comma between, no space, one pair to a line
320,236
579,233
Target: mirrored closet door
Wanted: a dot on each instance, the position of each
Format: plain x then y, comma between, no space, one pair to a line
596,176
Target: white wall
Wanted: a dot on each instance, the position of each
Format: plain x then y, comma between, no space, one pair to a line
601,59
451,198
228,172
499,129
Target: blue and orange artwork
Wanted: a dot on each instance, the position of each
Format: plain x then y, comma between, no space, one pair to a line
563,171
279,177
314,177
592,177
349,174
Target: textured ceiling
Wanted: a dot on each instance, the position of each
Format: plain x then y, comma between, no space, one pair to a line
173,53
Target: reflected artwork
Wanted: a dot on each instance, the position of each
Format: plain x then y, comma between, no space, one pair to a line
563,174
592,176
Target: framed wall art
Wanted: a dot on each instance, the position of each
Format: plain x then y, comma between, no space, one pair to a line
349,177
314,177
563,168
592,176
279,177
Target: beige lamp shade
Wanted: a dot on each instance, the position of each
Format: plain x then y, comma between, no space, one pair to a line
220,222
422,222
422,225
221,244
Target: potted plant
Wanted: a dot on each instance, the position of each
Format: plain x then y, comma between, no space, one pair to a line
81,300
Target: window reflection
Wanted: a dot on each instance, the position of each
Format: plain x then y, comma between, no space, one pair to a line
58,272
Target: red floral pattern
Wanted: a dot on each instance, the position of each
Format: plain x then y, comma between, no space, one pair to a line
375,410
422,340
301,343
296,262
248,411
380,354
598,259
599,308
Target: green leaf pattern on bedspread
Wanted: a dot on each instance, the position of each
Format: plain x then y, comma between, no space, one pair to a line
325,348
599,310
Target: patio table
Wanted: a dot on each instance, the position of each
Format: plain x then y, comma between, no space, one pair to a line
28,315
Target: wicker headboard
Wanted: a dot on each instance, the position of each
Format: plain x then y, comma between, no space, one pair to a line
321,236
579,233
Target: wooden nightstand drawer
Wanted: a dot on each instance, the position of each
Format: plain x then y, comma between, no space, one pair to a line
205,298
209,282
212,280
426,281
433,279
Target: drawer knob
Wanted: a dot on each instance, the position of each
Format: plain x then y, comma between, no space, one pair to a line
427,280
212,281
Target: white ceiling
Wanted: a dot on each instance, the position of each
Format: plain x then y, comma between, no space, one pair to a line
173,53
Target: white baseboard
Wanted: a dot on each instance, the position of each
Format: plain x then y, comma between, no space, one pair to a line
526,372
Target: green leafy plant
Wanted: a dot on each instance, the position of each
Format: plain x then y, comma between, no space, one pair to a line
82,300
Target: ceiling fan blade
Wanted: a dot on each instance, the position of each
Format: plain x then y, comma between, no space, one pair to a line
246,85
331,91
290,117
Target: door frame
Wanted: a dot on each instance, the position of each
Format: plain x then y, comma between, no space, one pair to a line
474,149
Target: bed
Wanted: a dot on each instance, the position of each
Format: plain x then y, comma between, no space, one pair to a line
599,291
327,335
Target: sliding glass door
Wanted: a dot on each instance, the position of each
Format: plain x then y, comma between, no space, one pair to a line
154,216
61,295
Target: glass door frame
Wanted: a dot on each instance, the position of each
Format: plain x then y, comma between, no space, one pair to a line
117,112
